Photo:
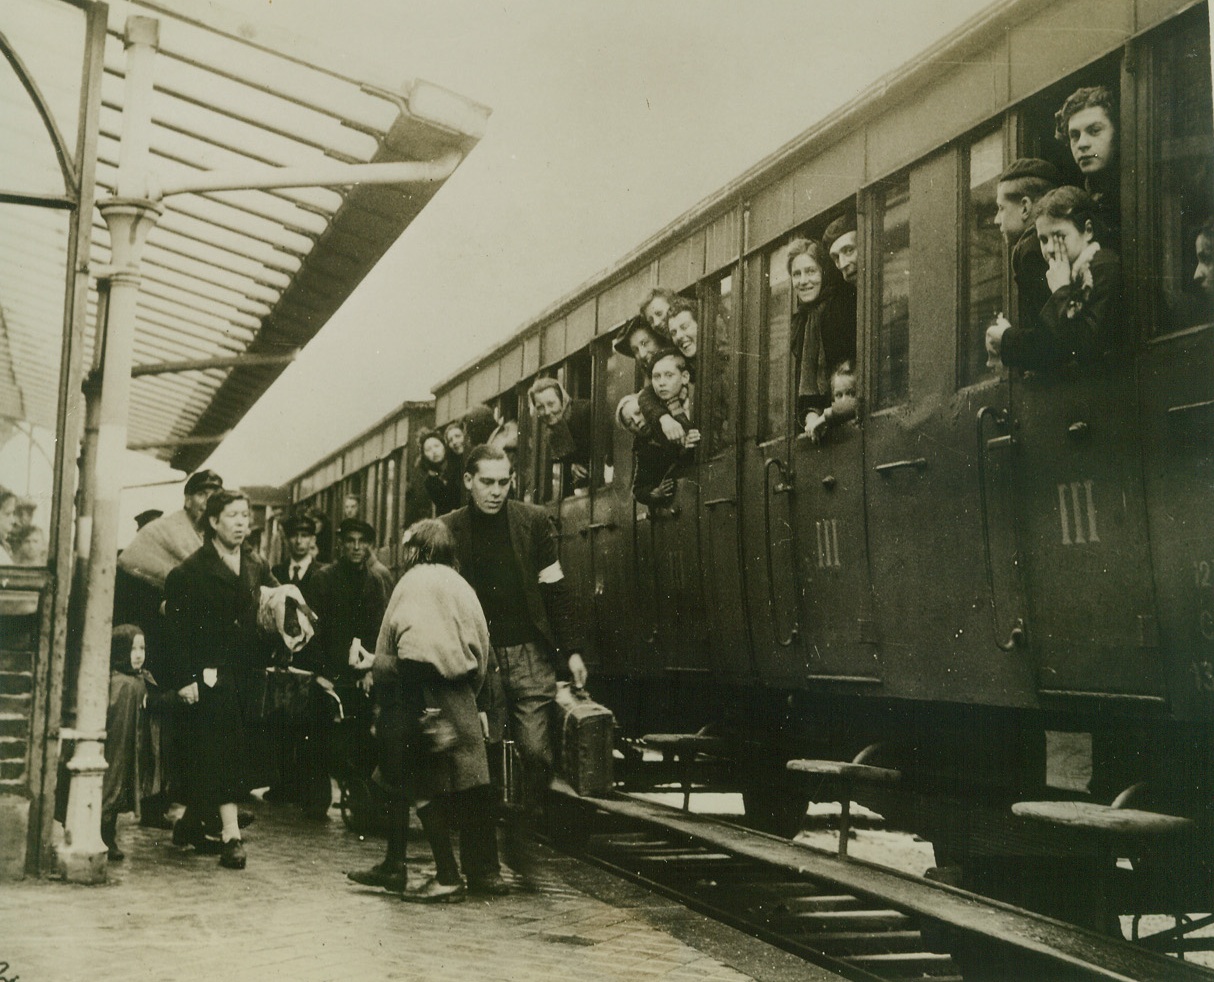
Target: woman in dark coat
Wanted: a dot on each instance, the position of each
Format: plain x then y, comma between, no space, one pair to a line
444,484
432,654
823,329
218,654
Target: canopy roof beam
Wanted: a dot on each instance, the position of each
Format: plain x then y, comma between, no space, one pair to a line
199,364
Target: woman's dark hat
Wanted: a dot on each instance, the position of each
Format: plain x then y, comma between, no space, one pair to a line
299,523
637,323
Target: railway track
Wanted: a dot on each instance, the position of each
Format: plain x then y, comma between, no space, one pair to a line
857,920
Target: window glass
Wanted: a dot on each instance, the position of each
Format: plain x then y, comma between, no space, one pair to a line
719,310
778,313
33,267
893,321
1183,158
984,262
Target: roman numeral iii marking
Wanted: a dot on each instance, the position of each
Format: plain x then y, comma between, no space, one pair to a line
1078,496
828,543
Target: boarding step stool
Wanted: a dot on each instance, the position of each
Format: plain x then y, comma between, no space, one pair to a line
1112,827
683,749
845,775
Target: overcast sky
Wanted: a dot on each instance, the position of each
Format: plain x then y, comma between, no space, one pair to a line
609,120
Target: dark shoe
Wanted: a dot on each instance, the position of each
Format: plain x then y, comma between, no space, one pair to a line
244,818
114,854
154,820
389,876
433,892
488,886
209,845
186,833
233,855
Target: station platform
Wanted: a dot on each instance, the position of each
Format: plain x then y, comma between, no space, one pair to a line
169,915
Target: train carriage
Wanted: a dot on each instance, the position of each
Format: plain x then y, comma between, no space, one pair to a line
999,579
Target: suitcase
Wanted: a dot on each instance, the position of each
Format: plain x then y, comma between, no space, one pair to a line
585,742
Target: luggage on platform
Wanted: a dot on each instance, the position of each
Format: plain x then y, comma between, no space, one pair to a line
584,741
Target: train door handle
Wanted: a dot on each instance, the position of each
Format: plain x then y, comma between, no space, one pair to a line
829,482
1015,639
1079,430
596,526
916,463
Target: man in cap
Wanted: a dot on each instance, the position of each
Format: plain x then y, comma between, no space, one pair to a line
301,774
349,597
145,516
157,548
1020,187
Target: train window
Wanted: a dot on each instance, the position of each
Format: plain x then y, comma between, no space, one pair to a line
774,355
565,438
722,385
1182,158
603,460
983,267
893,258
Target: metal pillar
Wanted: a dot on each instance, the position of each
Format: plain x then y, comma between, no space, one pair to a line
129,220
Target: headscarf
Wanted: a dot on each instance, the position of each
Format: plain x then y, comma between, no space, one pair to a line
121,642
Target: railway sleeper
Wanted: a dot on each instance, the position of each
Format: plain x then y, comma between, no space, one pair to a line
839,944
910,964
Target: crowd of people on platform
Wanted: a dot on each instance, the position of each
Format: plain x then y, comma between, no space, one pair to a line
227,675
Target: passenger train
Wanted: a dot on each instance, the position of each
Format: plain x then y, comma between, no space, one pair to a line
996,584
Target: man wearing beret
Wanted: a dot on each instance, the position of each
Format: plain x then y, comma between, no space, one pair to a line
349,597
1020,187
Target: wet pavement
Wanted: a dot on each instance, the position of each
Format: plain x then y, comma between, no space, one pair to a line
169,915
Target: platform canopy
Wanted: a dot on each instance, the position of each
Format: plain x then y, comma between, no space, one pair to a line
234,281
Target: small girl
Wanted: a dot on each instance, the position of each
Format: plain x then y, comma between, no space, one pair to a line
125,738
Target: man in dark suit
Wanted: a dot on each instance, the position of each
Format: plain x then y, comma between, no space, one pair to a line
507,550
301,776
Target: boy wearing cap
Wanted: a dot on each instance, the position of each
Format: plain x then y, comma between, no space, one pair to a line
1020,187
349,597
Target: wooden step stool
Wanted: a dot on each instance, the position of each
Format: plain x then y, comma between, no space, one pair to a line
846,775
682,749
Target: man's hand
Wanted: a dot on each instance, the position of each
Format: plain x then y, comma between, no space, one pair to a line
577,671
189,693
665,488
815,425
580,473
672,429
692,439
366,682
360,658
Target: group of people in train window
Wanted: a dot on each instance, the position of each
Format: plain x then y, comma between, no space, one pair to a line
444,453
1064,242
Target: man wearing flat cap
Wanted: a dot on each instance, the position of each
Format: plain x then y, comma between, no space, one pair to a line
1020,187
349,597
160,545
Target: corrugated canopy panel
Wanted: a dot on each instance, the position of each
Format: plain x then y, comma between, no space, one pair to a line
253,274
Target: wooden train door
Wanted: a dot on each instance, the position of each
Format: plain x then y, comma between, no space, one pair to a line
1081,518
767,532
728,636
610,528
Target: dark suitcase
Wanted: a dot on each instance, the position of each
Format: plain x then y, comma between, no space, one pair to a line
585,741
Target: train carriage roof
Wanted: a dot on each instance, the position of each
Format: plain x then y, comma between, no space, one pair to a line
234,283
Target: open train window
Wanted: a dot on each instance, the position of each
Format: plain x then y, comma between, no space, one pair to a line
892,252
1181,162
564,442
718,371
983,268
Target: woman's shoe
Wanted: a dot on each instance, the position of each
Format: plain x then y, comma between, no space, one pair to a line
390,876
433,892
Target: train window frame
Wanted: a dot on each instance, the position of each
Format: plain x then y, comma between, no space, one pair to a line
717,392
971,326
877,196
602,443
775,251
1159,319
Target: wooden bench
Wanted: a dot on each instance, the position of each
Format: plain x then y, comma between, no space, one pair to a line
846,775
682,749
